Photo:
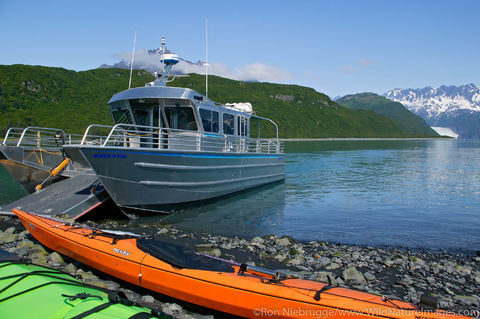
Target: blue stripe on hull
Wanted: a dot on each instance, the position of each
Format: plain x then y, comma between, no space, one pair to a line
184,155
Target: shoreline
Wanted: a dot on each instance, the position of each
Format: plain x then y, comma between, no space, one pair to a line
395,272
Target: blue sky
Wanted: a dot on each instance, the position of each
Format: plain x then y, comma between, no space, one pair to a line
336,47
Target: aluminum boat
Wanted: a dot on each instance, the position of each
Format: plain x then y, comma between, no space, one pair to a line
30,153
172,145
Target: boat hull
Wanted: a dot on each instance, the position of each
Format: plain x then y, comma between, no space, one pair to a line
29,167
243,294
149,179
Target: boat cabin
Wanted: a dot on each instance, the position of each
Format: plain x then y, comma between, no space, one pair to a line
181,109
178,118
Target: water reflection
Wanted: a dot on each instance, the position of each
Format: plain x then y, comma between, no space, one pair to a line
250,213
420,193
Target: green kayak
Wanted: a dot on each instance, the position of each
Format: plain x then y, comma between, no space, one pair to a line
31,291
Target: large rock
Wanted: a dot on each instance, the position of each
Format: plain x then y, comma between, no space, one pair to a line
467,300
28,244
7,238
86,275
207,249
37,249
355,255
332,266
258,240
324,276
369,276
55,258
10,230
352,274
435,268
323,261
21,251
282,242
171,308
280,257
39,260
147,299
70,268
388,262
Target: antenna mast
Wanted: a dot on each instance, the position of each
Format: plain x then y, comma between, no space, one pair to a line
131,63
206,58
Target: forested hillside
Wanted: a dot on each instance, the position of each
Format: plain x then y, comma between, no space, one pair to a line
60,98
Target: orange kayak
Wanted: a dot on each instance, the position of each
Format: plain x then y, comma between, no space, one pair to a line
240,290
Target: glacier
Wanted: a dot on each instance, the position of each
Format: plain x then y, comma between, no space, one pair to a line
456,108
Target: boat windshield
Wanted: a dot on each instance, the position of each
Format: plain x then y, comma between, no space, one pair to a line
209,120
181,118
122,116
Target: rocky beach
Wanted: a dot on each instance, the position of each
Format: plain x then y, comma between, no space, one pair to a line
454,279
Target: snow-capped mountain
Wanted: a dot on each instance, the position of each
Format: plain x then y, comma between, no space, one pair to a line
453,107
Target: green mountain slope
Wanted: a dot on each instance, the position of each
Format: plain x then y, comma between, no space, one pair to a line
55,97
300,112
60,98
407,121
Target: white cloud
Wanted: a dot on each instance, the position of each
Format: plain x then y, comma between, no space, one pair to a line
262,72
250,72
362,63
366,62
348,69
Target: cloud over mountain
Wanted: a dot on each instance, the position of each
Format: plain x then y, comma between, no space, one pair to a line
150,61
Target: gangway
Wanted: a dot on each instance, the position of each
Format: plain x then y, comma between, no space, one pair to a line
75,196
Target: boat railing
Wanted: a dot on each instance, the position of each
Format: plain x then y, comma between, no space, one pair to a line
96,134
39,137
139,136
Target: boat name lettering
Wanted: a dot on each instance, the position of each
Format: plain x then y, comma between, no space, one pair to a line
123,252
106,155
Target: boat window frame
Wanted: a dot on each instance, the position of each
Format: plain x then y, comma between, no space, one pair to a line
242,119
223,123
122,106
178,105
202,109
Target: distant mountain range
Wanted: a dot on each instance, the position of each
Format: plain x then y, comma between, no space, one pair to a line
407,121
454,107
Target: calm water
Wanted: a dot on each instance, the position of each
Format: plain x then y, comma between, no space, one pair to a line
419,193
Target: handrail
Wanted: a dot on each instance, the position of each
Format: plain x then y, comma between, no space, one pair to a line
37,128
8,133
88,129
113,130
142,136
38,137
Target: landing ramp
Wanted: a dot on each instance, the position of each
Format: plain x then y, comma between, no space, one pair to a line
74,196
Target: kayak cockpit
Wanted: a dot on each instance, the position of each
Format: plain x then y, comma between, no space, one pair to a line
181,257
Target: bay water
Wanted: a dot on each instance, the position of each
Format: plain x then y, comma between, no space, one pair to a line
408,193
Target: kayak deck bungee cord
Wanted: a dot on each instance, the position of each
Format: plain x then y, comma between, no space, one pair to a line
33,291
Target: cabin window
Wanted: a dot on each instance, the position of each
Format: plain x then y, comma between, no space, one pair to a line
181,118
122,116
156,117
242,125
142,117
209,120
228,124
